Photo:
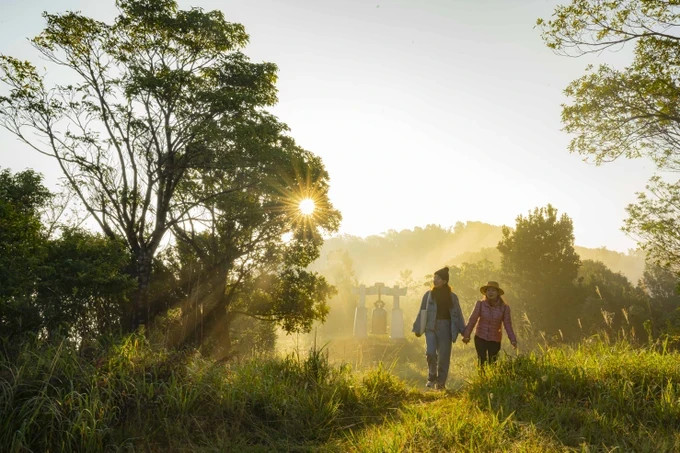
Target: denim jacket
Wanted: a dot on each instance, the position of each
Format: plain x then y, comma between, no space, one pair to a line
457,321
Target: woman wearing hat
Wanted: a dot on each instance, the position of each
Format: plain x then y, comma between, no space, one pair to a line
443,322
491,312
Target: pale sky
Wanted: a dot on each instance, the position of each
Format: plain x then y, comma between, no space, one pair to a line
424,112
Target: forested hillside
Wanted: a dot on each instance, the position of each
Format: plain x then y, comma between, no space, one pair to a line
423,250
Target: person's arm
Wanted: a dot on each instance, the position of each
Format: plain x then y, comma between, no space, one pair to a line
459,314
507,322
416,323
472,321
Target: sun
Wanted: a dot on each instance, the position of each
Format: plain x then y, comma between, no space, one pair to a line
306,206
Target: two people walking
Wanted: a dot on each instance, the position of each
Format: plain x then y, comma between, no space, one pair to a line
441,320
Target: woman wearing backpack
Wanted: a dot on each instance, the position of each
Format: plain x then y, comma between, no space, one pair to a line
491,312
441,320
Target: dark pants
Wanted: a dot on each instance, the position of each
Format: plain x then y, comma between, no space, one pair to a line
487,351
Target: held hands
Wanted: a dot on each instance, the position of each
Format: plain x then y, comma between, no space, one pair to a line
466,340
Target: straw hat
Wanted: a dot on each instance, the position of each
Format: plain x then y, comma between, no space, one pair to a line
491,284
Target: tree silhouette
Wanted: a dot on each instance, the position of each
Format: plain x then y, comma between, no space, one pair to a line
539,262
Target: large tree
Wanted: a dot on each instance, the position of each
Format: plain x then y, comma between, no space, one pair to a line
631,112
245,253
540,264
159,97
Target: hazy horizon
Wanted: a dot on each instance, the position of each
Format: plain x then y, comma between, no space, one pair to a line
382,257
340,234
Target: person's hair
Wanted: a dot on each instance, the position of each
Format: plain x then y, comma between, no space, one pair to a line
448,285
499,298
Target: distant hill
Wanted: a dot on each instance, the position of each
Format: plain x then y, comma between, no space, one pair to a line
423,250
632,264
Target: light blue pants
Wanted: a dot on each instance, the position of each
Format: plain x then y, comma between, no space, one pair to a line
438,351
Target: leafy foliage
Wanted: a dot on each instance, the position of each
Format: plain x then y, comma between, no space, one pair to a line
606,298
85,288
663,287
23,248
75,284
166,114
540,264
631,112
469,277
655,220
251,259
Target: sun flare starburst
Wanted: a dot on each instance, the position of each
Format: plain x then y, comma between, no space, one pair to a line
307,206
302,197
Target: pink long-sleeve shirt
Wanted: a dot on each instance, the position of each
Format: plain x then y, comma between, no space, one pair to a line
490,319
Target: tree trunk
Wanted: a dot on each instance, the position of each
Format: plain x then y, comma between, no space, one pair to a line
139,313
213,322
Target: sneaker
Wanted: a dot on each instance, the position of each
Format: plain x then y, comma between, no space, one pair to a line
430,384
439,386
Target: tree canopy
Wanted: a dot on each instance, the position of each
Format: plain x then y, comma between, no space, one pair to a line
631,112
539,261
22,248
72,285
163,126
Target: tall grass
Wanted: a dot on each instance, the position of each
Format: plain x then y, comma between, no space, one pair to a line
595,396
49,401
132,396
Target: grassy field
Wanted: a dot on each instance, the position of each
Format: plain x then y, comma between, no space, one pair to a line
130,396
594,397
404,358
